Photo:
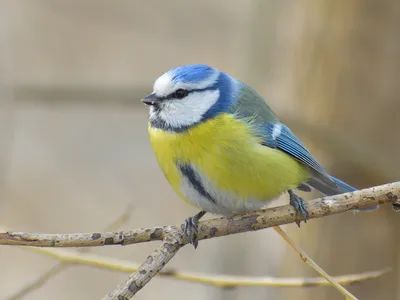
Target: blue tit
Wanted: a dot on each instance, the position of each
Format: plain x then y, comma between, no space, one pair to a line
222,148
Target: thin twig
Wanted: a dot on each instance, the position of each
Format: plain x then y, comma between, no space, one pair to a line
39,282
121,220
62,265
220,281
148,269
314,265
265,218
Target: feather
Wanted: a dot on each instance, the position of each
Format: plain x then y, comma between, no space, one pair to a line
251,106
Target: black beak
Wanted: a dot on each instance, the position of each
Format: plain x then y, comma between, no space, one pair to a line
151,99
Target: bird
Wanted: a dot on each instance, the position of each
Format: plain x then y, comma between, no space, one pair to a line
223,149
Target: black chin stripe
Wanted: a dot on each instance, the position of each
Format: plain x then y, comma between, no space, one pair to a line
194,179
159,123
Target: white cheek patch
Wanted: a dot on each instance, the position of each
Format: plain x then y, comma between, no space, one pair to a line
187,111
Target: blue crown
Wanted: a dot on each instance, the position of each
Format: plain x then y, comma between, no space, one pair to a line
192,73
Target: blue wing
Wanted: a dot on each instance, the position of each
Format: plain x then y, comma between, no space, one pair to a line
251,107
281,137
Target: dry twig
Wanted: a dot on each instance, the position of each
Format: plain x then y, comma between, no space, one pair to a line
223,226
62,265
173,239
220,281
314,265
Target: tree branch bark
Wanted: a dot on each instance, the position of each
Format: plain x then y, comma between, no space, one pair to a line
173,237
265,218
149,268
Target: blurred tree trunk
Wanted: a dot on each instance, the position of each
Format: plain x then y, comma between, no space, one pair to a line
339,69
6,98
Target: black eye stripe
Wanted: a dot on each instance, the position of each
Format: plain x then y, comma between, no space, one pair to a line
173,95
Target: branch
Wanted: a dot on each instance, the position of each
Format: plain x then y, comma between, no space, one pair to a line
314,265
254,221
38,282
173,237
265,218
148,269
62,265
220,281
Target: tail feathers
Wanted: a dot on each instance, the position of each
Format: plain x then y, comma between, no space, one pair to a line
328,190
341,187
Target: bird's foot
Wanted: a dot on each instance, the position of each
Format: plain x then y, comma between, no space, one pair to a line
299,206
191,227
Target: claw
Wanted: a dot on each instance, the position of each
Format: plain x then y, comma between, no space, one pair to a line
299,206
191,227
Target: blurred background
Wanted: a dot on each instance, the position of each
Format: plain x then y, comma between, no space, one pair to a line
74,150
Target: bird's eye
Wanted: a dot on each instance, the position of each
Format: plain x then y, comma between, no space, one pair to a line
181,93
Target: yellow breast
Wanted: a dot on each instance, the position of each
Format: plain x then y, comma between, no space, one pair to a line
228,152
